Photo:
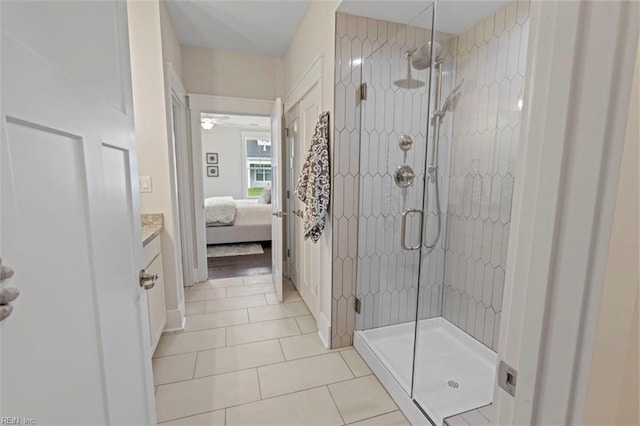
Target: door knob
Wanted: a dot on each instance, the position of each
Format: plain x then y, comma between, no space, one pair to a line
8,294
147,281
279,214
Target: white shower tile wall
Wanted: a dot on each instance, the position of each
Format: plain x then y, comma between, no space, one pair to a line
491,57
352,33
367,204
433,260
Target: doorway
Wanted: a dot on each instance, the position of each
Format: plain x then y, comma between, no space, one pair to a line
236,161
303,256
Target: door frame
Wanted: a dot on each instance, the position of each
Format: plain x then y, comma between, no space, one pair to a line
176,94
314,75
197,104
573,133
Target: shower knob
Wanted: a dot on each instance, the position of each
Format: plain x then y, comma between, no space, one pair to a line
404,176
405,142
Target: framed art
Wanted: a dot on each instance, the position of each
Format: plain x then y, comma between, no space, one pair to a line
213,171
212,158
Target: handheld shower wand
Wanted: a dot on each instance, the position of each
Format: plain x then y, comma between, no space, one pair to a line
432,168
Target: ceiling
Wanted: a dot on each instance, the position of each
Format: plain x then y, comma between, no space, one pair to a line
243,121
453,16
263,27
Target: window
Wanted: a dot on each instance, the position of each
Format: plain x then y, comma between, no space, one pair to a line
258,163
260,172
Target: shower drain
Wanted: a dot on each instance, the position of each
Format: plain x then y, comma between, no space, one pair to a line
453,385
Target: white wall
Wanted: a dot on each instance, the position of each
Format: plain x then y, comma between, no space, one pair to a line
226,73
227,142
152,142
171,49
315,37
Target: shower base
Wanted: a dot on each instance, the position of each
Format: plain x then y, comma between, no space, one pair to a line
454,372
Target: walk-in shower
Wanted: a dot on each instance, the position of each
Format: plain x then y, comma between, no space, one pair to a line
438,147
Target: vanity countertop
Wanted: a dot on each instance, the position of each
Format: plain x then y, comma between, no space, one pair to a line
152,224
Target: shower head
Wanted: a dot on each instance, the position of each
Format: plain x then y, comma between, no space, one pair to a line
421,57
452,95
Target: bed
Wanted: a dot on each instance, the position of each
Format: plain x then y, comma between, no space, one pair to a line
237,221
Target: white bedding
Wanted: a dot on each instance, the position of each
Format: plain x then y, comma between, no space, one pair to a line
220,210
250,212
252,223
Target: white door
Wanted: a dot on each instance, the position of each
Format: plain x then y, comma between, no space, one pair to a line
307,253
293,203
277,201
75,349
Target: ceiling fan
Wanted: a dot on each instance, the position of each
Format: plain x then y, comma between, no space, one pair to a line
209,121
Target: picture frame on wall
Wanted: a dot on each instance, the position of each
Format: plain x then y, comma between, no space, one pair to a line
213,171
212,158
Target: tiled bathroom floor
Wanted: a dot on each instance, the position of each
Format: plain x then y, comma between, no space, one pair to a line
247,359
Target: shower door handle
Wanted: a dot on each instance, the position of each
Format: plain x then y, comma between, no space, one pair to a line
403,233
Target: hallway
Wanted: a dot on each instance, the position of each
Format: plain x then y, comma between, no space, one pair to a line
246,359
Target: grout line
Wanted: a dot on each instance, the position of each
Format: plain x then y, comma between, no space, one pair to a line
265,365
266,399
282,349
231,325
226,345
228,298
336,405
193,376
377,415
348,366
197,414
297,325
259,387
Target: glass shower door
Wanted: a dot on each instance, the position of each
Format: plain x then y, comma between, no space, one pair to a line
393,136
476,95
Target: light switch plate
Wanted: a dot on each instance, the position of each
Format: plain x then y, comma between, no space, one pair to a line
145,183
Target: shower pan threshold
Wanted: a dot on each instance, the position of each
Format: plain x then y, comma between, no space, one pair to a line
454,372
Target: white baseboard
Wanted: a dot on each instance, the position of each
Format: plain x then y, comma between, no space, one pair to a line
408,408
324,330
175,320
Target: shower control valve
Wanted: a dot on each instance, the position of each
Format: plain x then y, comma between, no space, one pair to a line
405,142
404,176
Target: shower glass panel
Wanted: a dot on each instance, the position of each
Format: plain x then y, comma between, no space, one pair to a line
439,137
474,127
393,145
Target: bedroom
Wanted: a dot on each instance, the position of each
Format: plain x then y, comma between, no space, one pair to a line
236,159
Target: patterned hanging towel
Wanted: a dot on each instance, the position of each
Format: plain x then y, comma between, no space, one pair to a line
314,184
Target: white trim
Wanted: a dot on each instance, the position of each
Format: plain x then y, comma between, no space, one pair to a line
174,180
311,76
176,94
324,329
175,320
401,398
197,175
227,105
572,137
213,104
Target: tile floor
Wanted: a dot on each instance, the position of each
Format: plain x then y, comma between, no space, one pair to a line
247,359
